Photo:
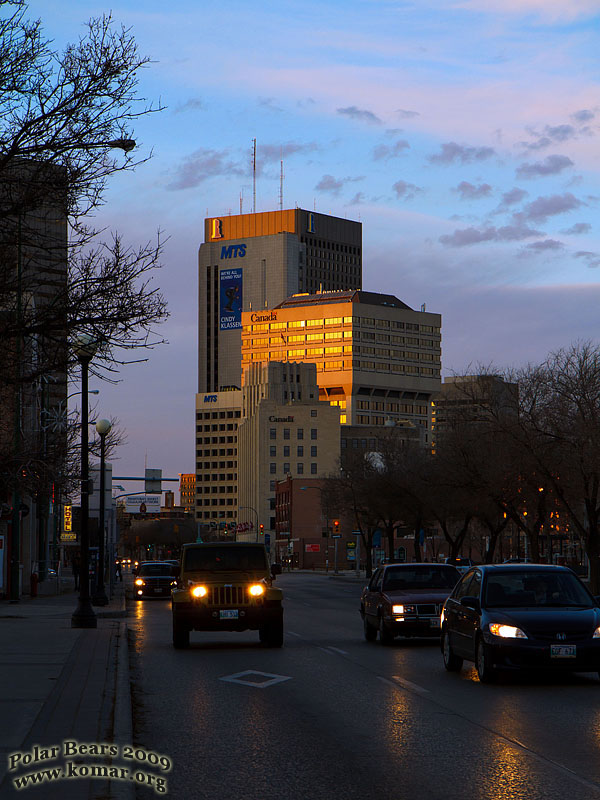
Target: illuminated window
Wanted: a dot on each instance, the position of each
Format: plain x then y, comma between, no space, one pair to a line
315,352
333,350
278,326
314,323
347,320
347,334
333,365
314,337
334,335
296,353
298,323
333,321
300,338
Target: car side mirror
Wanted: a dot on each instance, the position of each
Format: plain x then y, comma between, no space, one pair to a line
470,602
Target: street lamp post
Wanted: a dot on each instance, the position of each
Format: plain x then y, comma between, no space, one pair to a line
84,616
103,427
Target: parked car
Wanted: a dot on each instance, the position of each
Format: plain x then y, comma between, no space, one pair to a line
406,600
154,579
461,564
521,616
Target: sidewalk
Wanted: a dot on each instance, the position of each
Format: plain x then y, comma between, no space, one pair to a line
61,683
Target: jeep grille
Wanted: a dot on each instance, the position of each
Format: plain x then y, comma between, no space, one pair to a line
228,596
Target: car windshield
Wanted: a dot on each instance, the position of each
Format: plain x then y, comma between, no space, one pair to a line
224,558
420,577
148,570
535,589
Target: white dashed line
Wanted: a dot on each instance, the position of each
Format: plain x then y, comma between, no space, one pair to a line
414,687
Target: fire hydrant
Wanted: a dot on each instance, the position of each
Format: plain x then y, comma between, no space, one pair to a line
34,584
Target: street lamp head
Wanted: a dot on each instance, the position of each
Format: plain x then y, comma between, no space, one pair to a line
103,426
85,347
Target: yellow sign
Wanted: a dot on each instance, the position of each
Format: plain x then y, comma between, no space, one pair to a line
68,537
68,519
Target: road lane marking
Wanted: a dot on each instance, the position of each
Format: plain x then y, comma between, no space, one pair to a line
291,633
337,650
410,685
397,680
266,679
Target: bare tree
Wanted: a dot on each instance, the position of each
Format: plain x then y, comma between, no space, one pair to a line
64,116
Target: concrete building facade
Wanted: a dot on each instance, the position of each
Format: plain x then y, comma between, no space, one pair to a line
282,435
217,419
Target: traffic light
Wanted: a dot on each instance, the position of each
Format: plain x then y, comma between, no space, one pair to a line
261,529
336,526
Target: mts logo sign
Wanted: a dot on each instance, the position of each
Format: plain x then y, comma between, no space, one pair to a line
233,251
210,398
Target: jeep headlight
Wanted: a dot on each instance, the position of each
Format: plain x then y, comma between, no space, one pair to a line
199,591
397,609
139,582
256,589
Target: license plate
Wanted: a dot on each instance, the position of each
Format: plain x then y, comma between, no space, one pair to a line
434,623
563,651
158,591
229,613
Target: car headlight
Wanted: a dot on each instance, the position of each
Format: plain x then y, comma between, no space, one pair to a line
139,582
397,609
506,631
199,591
596,634
442,617
256,589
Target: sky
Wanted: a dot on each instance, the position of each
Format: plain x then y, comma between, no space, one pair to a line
463,134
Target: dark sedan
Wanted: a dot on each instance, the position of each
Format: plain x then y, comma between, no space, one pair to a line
406,600
521,616
154,579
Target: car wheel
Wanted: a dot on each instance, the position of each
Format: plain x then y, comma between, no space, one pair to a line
181,635
370,631
485,671
451,662
385,637
271,635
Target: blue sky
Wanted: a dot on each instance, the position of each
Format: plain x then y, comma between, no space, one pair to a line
463,134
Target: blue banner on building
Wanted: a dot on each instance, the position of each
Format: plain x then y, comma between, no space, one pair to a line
231,299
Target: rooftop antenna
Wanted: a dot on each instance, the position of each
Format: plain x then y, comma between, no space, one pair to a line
254,176
281,184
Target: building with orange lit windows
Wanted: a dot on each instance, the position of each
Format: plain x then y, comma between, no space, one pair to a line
187,491
376,359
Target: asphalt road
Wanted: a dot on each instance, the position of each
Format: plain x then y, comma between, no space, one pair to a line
332,716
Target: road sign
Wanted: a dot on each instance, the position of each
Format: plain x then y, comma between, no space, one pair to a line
142,504
336,535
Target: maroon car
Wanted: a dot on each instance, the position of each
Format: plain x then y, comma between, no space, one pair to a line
406,600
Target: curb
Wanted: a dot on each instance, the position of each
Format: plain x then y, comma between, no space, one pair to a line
113,613
123,711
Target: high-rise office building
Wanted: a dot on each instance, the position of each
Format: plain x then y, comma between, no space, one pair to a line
376,358
255,261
